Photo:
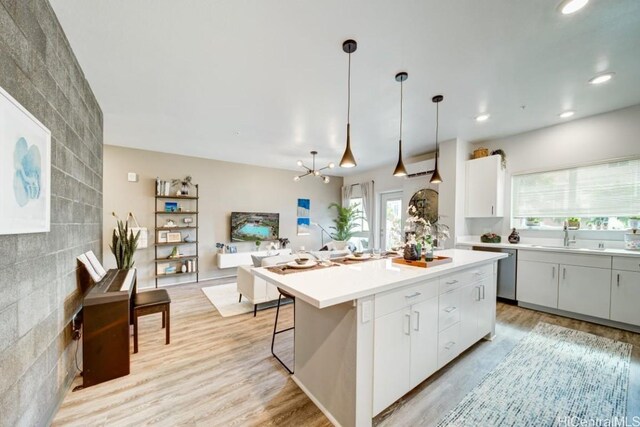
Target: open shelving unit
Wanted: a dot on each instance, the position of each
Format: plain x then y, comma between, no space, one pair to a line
161,253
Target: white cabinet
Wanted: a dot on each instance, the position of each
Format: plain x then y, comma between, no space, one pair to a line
484,196
423,360
625,296
477,312
585,290
392,351
537,283
405,341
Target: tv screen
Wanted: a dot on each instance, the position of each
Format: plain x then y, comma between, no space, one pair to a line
251,226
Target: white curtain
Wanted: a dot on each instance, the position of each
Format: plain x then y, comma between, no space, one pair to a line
346,195
366,189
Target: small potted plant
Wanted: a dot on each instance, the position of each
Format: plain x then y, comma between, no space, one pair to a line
258,243
283,242
532,222
124,244
573,223
345,223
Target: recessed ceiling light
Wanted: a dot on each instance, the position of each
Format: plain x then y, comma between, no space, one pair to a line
483,117
601,78
567,7
567,114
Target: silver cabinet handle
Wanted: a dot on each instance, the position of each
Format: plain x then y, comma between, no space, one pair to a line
553,272
453,282
417,328
450,344
413,295
450,309
564,273
491,209
618,279
408,324
479,298
483,292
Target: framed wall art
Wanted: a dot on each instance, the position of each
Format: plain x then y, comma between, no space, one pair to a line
25,170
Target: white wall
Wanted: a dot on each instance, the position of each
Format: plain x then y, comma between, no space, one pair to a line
224,187
593,139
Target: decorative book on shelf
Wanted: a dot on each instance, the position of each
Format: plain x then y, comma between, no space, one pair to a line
176,231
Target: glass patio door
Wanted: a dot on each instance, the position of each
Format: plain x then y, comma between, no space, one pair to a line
390,220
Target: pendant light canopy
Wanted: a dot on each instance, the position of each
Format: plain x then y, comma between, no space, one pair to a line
400,169
436,178
348,161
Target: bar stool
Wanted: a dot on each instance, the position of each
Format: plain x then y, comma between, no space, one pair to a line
275,327
150,302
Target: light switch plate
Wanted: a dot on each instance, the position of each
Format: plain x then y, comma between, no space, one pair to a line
132,177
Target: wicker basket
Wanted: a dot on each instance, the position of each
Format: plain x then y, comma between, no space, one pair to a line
480,152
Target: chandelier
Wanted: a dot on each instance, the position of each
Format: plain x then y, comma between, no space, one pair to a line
313,171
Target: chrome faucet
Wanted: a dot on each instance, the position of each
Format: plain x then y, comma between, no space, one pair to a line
567,242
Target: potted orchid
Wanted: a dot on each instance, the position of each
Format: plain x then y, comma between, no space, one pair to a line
418,236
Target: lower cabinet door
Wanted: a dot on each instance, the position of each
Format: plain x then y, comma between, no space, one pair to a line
585,290
424,340
625,297
391,358
469,311
486,307
538,283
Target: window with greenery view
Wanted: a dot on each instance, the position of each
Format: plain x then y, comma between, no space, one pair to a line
602,196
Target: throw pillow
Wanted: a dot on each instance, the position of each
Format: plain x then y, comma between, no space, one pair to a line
257,259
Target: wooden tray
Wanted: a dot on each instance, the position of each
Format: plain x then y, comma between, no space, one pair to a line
437,260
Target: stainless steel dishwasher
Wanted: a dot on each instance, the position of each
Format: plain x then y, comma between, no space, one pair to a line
507,272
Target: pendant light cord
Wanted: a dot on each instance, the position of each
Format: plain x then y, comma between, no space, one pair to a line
401,85
349,92
437,122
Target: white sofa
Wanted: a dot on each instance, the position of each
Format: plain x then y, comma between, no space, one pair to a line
259,291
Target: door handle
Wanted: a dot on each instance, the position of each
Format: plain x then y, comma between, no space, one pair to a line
413,295
491,209
479,298
553,272
450,309
417,328
564,273
483,292
618,279
407,324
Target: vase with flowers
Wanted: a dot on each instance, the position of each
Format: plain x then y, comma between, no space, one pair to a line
418,236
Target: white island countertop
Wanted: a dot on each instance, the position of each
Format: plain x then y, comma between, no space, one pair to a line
336,285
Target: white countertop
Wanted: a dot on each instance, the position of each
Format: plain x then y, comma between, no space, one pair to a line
335,285
552,248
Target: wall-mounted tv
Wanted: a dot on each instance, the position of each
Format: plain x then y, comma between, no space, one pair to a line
251,226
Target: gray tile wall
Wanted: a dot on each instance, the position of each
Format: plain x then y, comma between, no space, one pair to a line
39,293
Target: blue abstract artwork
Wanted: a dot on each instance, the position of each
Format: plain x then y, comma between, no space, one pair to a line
28,167
304,208
25,170
303,226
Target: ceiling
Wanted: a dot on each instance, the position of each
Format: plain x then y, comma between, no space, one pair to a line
264,81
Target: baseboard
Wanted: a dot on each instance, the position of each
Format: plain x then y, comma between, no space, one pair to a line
583,317
316,402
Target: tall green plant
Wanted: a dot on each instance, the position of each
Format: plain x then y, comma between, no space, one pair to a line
345,222
124,245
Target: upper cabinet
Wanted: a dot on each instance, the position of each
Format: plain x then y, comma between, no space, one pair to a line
484,196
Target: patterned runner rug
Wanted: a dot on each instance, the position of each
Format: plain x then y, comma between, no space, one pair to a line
554,377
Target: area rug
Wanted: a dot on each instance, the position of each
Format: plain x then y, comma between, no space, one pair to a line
554,377
225,300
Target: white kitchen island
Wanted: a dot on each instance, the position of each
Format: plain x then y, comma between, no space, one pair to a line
367,333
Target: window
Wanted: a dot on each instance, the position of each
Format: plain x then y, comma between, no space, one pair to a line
602,196
363,224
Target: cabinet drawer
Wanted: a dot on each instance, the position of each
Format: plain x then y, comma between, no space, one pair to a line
448,344
449,309
626,263
560,257
391,301
465,277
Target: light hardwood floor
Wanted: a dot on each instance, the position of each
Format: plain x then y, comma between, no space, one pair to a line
219,372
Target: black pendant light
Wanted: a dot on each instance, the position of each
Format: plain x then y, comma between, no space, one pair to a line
400,169
436,178
348,161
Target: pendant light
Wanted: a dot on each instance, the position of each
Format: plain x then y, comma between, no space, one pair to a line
348,161
400,169
435,178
